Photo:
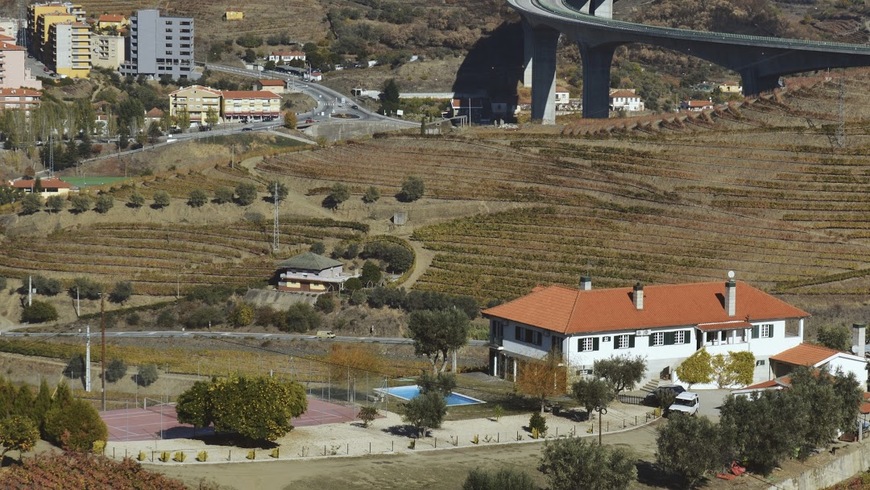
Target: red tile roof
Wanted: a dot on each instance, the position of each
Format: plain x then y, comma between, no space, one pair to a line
628,94
805,355
249,94
52,183
864,408
567,310
112,18
272,83
21,92
154,112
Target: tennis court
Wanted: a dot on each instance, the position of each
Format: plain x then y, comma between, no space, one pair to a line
159,421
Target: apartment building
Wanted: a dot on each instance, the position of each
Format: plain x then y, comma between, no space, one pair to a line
24,99
40,18
13,72
70,49
196,100
250,105
107,51
159,45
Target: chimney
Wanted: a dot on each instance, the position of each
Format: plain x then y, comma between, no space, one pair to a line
731,294
638,296
859,332
585,283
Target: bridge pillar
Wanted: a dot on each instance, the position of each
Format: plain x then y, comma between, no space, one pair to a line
544,74
528,52
754,84
596,80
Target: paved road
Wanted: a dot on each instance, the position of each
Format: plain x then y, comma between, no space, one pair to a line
182,334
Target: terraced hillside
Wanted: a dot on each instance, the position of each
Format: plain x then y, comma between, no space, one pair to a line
757,188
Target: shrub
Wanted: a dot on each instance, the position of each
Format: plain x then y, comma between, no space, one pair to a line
353,284
161,200
38,312
246,194
121,292
210,295
318,248
371,195
371,274
147,375
223,195
31,204
85,288
45,286
301,317
18,433
81,203
412,189
166,319
55,204
367,415
325,303
241,315
74,425
135,200
75,368
538,423
337,195
204,316
397,256
104,203
116,370
359,297
576,463
277,191
197,198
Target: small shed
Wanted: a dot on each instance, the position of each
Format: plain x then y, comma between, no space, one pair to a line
311,273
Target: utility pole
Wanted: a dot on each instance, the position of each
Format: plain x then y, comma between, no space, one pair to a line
841,109
103,359
275,226
29,290
88,359
78,305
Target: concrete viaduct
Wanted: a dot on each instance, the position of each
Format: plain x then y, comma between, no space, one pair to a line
760,61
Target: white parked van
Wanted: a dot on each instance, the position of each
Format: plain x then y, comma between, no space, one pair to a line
686,402
325,334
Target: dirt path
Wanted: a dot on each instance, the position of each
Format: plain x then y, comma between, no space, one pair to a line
421,265
445,469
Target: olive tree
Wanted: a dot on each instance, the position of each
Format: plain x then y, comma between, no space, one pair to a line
574,463
622,372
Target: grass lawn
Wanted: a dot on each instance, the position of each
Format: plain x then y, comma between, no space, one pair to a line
91,180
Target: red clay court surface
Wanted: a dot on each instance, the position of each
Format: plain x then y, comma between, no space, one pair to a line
136,424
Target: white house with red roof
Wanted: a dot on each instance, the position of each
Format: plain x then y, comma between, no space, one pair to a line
50,187
663,323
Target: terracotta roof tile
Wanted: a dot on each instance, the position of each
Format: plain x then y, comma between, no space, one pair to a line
272,83
805,355
52,183
567,310
249,94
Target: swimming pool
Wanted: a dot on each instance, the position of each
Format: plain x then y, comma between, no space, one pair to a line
412,391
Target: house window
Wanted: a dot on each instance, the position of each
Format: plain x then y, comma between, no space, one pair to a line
760,362
587,344
657,338
624,341
680,337
529,336
764,331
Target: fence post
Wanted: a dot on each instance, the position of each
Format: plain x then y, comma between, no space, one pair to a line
348,448
436,442
392,446
370,447
230,455
635,420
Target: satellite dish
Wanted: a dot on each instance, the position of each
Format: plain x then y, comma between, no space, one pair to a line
730,274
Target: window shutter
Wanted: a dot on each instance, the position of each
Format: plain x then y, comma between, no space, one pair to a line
670,338
772,330
755,331
651,342
688,336
579,345
631,341
595,343
518,332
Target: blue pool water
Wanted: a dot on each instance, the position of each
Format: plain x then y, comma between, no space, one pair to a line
412,391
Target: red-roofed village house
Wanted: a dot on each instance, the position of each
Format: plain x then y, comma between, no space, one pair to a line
663,323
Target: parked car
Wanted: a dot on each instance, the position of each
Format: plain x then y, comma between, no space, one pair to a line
248,129
325,334
686,402
668,392
310,121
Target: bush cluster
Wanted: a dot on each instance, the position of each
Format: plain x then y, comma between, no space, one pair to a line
398,258
421,300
